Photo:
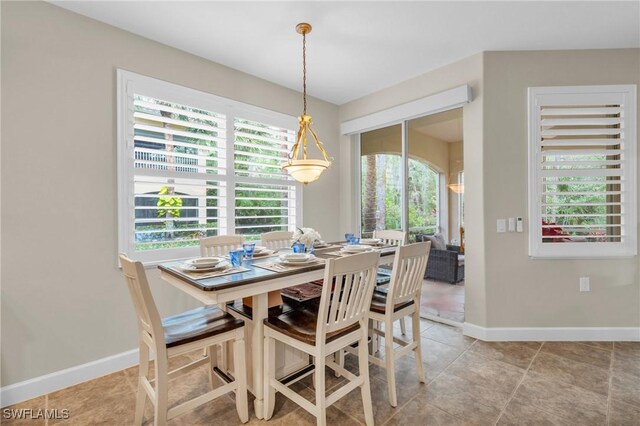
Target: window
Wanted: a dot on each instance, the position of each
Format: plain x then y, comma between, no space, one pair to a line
582,171
382,195
192,164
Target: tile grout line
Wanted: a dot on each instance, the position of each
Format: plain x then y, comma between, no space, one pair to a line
445,369
613,354
399,409
449,365
437,375
513,394
46,407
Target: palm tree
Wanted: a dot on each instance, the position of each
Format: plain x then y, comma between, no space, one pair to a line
370,190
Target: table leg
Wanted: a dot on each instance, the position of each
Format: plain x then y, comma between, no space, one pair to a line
260,312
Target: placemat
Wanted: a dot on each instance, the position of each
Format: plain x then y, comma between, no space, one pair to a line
303,292
210,274
340,253
279,267
329,247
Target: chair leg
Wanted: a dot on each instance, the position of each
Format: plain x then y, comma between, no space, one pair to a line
389,360
403,327
143,371
269,393
321,403
313,376
242,405
212,353
339,359
365,388
415,317
224,350
162,391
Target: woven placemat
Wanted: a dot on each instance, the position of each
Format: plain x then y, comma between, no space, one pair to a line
210,274
279,267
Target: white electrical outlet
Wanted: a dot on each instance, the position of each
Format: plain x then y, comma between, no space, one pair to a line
501,225
585,284
512,224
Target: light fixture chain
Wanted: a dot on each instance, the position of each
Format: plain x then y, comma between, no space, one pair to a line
304,71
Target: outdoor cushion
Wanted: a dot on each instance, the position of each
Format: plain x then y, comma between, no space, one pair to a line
437,241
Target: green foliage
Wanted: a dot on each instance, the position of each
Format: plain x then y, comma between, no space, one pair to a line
167,203
422,191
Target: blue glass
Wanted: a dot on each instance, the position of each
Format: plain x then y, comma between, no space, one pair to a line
298,247
347,237
353,239
236,257
248,250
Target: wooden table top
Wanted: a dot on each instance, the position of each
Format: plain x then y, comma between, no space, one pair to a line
255,274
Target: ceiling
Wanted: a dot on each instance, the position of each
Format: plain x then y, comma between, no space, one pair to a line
357,48
445,126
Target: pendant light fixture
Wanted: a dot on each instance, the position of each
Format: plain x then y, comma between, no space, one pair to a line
305,169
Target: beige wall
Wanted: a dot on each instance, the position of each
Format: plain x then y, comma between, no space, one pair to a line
64,302
503,286
467,71
389,140
456,165
543,293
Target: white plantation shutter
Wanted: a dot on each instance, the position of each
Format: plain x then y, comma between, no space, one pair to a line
582,171
192,164
178,158
265,195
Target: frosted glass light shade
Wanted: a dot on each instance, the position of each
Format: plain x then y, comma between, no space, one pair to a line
305,171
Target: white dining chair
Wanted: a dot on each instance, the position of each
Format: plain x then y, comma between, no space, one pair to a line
277,239
390,237
219,245
201,328
402,300
339,321
394,238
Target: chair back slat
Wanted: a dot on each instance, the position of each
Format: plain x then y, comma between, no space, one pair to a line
277,239
346,293
146,311
390,237
408,271
219,245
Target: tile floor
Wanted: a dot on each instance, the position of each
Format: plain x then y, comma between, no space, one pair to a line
443,300
469,382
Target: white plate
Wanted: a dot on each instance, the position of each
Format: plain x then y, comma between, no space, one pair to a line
356,249
320,244
220,266
203,262
259,249
370,241
311,260
264,253
296,257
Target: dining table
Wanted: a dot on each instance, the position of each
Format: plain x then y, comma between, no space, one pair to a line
253,279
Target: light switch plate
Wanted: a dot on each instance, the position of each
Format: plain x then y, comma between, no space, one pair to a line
585,284
518,224
512,224
501,225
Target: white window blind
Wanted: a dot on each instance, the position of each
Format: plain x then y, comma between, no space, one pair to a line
582,166
192,164
265,202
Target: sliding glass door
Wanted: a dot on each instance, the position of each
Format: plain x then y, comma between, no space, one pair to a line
381,185
406,169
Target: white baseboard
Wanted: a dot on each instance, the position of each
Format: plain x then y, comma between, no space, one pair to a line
575,334
42,385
